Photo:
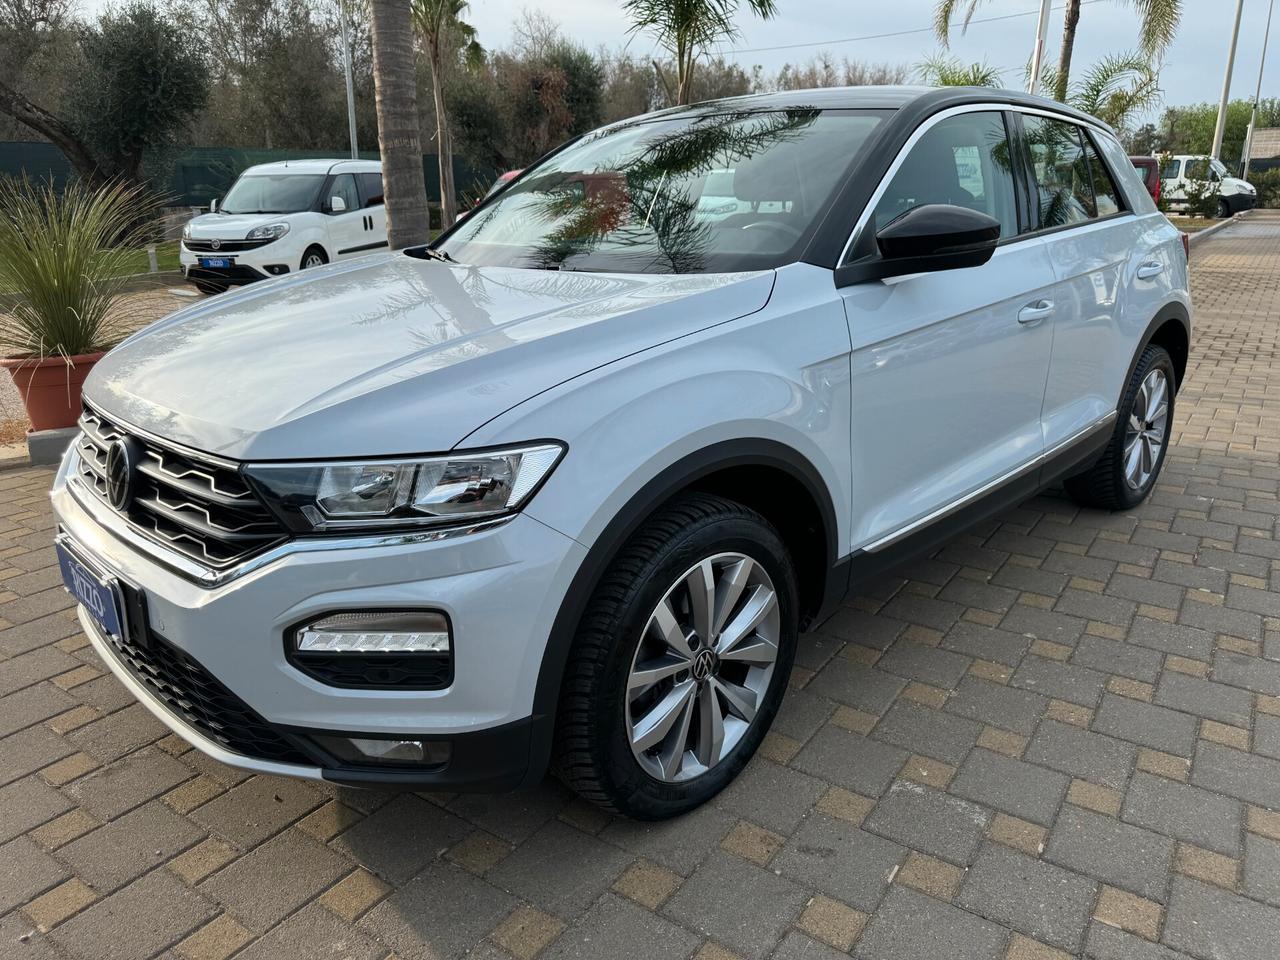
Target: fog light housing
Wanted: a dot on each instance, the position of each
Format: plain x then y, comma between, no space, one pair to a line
386,751
375,649
376,632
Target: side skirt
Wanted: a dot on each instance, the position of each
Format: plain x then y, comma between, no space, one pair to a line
1078,455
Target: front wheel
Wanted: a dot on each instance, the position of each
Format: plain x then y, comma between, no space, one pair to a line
1127,470
681,660
313,257
1224,209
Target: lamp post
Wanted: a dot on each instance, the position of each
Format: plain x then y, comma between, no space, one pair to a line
1253,116
1037,53
351,92
1220,129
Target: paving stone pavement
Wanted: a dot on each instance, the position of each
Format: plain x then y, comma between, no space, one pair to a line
1059,736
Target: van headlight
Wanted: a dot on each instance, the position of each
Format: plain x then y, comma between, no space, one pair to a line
431,491
268,231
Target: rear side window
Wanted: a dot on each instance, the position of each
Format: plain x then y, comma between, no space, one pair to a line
1061,170
963,160
1106,198
1171,170
371,188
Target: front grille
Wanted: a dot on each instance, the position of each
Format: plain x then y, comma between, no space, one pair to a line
196,697
200,508
224,246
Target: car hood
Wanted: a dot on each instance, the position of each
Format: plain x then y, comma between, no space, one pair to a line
229,226
391,354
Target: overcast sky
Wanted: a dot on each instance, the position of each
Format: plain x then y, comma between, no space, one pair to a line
1192,71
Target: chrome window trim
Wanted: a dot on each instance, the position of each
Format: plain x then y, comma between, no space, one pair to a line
924,128
945,511
210,577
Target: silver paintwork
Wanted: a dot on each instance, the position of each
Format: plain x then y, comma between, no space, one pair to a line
702,666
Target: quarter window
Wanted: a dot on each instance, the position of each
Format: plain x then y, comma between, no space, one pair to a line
1106,197
963,160
1171,170
1061,169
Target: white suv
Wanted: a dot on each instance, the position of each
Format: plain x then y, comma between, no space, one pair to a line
564,488
281,217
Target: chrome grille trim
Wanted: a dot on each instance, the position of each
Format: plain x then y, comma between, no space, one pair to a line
198,506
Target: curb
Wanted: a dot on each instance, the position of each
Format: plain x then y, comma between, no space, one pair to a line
1209,231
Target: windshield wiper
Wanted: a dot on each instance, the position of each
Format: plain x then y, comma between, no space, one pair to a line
432,254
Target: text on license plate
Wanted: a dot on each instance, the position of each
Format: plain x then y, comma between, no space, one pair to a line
97,596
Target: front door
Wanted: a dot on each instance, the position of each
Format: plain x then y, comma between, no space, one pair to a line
347,228
948,369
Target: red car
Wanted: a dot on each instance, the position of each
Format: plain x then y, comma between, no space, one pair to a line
1149,169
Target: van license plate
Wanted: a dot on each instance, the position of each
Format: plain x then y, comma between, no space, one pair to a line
216,263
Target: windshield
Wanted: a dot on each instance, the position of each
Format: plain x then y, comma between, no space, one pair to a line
277,193
738,191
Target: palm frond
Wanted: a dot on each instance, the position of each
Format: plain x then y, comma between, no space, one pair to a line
944,12
942,71
1117,88
1160,20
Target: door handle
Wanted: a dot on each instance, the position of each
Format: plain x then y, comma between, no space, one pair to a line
1152,268
1035,311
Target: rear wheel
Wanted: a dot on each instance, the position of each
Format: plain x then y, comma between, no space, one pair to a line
681,660
314,256
1128,468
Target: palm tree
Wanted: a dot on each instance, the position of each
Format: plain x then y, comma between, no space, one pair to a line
940,71
1160,19
395,83
445,34
686,28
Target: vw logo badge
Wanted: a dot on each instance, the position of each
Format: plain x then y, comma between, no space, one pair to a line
215,244
704,665
121,460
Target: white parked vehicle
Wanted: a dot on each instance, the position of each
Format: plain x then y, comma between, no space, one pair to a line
278,218
1178,173
567,484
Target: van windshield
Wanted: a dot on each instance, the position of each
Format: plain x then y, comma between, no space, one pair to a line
274,193
726,192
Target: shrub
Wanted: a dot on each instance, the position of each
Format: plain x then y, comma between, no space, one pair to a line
64,259
1267,183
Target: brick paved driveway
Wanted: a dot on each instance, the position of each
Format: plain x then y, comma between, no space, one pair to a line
1060,736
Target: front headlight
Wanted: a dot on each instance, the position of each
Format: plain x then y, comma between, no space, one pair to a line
270,231
431,491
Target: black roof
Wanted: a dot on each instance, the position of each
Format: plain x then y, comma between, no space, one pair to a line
926,99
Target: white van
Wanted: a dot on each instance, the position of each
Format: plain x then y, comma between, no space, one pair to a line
1179,172
282,217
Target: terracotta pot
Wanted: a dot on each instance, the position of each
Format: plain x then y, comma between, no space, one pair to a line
50,388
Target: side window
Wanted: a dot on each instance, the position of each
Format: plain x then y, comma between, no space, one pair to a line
1105,195
371,187
1171,170
963,160
1198,169
1061,169
344,186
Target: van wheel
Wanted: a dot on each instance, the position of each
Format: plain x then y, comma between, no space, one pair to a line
1127,470
313,257
680,662
1224,209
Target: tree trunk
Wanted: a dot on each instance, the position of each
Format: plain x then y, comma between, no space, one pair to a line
444,139
399,140
1068,45
56,132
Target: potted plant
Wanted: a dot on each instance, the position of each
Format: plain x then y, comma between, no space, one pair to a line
64,261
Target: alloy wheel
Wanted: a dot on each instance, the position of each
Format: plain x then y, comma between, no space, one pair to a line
703,667
1147,431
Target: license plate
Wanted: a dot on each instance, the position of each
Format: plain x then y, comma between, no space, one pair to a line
98,594
216,262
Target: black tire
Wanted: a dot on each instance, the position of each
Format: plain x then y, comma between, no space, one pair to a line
1104,485
1224,209
209,287
312,253
593,752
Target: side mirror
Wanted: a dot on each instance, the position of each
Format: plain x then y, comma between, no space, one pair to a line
213,205
927,238
337,205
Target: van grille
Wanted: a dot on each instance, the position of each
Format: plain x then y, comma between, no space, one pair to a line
199,507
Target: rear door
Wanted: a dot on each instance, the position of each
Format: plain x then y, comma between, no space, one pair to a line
948,368
1113,260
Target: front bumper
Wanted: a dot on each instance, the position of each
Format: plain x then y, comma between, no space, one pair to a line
270,260
500,587
1242,201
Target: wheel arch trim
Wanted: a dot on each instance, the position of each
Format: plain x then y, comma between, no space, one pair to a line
1174,311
